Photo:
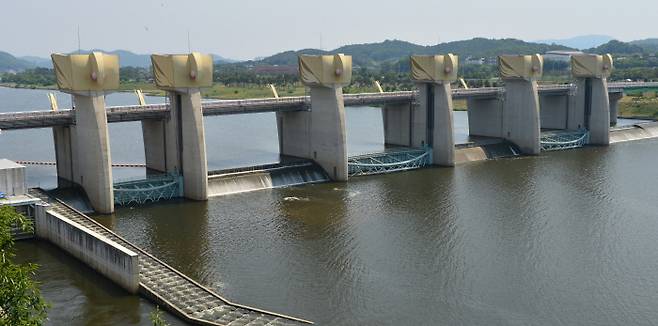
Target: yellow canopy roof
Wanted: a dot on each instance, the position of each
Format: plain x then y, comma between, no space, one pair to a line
434,68
591,65
194,70
86,72
520,66
325,70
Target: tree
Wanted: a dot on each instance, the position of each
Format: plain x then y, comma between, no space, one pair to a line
20,299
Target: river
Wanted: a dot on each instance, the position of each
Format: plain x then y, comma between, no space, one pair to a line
565,238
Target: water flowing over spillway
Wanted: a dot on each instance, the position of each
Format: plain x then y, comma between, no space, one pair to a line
235,181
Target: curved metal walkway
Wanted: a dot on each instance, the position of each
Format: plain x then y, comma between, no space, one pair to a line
389,161
563,139
151,189
170,288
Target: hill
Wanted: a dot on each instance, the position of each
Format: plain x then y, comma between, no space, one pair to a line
649,45
487,48
617,47
10,63
38,61
372,54
580,42
126,59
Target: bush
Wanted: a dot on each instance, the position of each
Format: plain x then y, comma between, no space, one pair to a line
20,299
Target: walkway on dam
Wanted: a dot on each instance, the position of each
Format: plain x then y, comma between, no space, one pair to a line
172,289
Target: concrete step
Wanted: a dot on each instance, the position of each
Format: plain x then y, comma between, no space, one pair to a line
168,286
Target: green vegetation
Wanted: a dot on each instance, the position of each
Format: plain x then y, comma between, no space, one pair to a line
156,317
616,47
374,54
20,299
641,104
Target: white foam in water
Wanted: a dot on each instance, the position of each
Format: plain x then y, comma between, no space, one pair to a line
227,185
235,183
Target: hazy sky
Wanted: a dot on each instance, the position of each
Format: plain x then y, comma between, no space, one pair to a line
249,28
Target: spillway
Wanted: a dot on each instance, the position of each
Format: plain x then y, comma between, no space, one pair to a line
234,181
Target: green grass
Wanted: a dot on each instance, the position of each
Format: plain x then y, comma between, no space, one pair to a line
639,107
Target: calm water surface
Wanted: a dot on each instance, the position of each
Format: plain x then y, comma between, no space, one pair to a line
566,238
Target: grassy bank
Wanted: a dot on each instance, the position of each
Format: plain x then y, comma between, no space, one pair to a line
638,107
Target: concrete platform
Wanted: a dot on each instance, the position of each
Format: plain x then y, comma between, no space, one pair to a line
12,178
182,296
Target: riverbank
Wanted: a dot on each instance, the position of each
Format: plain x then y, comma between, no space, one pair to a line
639,107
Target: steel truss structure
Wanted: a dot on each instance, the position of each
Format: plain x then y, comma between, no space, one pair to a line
152,189
389,161
561,140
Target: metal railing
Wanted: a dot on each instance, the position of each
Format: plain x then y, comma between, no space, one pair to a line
152,189
561,140
43,119
389,161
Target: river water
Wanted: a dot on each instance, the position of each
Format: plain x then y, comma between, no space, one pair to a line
566,238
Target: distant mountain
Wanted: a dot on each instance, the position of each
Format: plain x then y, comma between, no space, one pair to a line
487,48
38,61
219,59
9,63
649,45
131,59
580,42
370,54
617,47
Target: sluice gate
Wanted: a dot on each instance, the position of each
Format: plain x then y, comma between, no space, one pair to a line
389,161
563,139
152,189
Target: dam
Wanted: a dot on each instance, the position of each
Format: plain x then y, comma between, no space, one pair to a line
295,204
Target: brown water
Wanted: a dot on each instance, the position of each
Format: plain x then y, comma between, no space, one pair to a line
566,238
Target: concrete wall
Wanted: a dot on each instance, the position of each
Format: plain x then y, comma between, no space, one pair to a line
319,134
577,107
64,156
614,106
485,117
599,119
153,132
397,124
419,123
554,111
12,178
103,255
443,142
177,145
521,124
193,147
92,164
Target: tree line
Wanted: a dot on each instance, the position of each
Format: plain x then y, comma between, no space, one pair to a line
393,75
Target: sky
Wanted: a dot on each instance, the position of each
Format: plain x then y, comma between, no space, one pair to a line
246,29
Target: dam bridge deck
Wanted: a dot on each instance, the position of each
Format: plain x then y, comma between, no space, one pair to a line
172,289
66,117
